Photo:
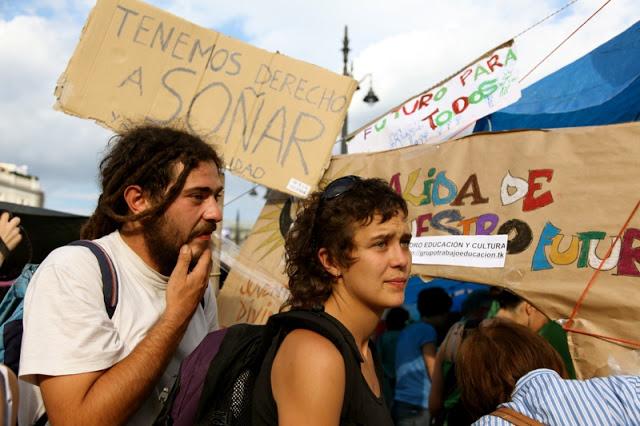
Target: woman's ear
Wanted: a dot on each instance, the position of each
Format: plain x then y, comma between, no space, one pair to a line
328,264
136,199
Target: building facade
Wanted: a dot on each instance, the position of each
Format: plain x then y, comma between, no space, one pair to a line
18,187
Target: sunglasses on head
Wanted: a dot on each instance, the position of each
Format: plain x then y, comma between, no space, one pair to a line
335,189
339,186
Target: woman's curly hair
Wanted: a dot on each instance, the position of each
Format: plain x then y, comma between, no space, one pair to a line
144,156
332,227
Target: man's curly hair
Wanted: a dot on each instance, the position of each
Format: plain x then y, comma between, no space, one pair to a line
333,228
144,156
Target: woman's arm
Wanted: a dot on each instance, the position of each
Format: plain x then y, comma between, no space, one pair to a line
308,380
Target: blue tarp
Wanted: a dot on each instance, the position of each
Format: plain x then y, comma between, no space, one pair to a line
602,87
458,290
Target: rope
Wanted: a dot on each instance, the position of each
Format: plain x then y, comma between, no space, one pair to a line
547,17
564,41
580,301
601,336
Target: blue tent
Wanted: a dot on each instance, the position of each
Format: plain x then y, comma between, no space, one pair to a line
602,87
458,290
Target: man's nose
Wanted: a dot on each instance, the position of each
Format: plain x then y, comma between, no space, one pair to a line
212,210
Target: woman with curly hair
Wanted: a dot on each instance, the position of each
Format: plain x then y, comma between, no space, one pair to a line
347,257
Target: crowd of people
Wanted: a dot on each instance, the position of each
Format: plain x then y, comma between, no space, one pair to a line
347,256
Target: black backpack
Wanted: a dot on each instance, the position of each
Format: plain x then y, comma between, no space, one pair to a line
225,391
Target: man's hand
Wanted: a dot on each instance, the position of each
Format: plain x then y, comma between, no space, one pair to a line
9,234
185,289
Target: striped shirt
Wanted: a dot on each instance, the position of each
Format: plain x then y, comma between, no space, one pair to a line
545,396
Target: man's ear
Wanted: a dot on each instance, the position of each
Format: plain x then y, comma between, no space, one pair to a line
136,199
327,263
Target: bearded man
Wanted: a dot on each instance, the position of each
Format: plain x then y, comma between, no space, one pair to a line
154,219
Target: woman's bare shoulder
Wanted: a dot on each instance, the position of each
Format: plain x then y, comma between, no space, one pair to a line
308,379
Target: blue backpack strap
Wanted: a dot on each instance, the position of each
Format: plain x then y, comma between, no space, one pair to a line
108,272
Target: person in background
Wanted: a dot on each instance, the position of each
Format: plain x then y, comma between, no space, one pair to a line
415,358
158,208
445,405
10,235
506,370
9,395
386,344
348,258
516,309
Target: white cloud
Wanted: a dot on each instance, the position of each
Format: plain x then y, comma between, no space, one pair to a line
408,45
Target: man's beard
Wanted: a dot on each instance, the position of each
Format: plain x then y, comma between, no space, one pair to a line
164,242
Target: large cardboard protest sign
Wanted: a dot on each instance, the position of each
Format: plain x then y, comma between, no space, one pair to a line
275,119
561,196
485,85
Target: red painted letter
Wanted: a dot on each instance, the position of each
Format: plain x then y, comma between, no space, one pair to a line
492,62
629,255
530,202
430,118
464,75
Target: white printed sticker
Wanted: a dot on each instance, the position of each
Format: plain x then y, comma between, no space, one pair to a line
298,187
479,251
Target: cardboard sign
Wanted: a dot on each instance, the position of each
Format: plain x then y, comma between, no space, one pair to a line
561,196
486,85
257,287
273,118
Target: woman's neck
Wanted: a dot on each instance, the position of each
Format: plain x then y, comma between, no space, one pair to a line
359,320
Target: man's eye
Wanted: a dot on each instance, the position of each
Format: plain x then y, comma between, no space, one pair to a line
380,244
198,197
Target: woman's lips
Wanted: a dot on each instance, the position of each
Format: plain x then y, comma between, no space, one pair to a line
399,283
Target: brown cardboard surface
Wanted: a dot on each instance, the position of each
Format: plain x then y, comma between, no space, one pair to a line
582,182
597,357
274,119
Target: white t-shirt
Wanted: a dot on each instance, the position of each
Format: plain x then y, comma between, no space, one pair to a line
67,329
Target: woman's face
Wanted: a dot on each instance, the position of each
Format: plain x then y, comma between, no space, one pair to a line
382,264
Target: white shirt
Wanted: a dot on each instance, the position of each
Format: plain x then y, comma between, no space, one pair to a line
67,329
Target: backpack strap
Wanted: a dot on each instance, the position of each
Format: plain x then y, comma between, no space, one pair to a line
327,326
108,272
514,417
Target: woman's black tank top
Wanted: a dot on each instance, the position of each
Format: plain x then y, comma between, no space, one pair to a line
361,406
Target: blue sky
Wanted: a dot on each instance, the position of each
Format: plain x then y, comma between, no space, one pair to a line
406,45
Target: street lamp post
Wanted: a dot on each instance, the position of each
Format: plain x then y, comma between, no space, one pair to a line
345,71
370,98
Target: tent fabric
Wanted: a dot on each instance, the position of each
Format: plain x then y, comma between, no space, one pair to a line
458,290
602,87
45,229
